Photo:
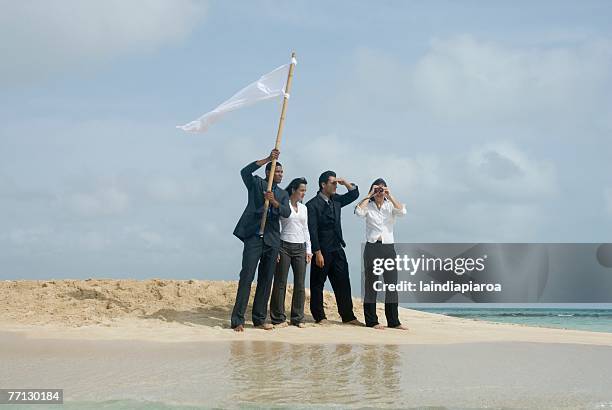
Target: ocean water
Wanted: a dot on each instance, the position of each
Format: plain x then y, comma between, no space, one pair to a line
594,320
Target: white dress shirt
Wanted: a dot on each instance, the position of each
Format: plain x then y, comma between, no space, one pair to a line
295,228
379,222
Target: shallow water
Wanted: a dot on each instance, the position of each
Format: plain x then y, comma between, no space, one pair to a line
130,374
593,320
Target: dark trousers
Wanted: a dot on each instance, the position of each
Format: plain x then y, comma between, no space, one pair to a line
371,252
291,255
255,251
336,268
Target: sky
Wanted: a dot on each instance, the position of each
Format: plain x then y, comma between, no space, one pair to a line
491,121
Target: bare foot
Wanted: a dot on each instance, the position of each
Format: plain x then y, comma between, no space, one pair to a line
379,327
301,325
400,327
264,326
354,322
239,328
281,324
323,322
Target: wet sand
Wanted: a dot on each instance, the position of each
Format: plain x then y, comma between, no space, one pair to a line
255,373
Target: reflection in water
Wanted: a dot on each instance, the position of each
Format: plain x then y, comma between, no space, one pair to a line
281,373
268,374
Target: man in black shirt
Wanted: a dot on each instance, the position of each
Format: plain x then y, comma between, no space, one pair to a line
330,261
258,249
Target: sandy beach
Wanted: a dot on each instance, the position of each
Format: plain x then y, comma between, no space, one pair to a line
194,310
164,344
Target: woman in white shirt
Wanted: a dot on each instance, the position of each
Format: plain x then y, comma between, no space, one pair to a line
295,251
379,209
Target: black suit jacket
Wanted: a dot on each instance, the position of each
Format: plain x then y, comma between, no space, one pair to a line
324,223
249,222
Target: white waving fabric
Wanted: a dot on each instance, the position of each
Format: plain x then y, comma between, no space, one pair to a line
270,85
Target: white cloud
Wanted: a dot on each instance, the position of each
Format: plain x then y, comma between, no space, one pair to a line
121,193
492,192
165,188
466,77
469,80
107,199
39,37
498,124
504,171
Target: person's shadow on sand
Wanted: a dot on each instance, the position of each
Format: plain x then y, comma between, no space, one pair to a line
203,317
198,316
85,294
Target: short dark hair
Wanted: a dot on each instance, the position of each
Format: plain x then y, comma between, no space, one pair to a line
378,181
269,166
295,184
325,177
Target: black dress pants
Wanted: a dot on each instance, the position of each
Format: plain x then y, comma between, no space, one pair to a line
373,251
255,251
336,268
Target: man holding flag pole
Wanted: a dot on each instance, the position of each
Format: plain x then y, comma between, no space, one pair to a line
259,248
259,225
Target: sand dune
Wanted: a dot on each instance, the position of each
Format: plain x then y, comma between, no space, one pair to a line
195,310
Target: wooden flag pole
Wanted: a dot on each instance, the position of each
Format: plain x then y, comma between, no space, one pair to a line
279,135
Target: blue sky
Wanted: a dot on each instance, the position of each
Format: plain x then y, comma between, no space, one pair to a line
492,121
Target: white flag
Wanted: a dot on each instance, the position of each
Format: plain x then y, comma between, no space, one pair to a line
268,86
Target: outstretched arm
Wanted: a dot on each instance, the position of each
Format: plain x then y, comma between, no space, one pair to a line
247,172
350,196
